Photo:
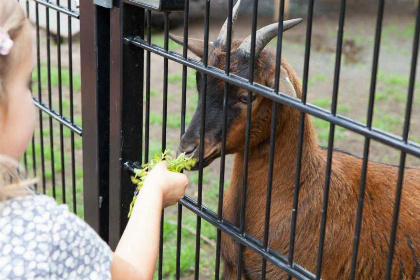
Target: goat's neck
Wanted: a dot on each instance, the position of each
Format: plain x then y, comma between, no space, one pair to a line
286,147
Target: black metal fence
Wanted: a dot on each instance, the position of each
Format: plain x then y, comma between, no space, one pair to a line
56,89
116,101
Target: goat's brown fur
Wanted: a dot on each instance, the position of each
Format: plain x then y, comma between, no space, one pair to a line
345,179
343,198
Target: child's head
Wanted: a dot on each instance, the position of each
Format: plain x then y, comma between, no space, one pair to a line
17,112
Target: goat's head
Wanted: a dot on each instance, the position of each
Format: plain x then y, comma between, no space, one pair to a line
237,98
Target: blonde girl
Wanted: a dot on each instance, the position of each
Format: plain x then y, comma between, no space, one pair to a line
38,238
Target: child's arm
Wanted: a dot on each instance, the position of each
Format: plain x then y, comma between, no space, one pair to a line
136,253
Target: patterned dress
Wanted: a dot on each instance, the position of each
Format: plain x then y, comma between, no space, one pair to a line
42,240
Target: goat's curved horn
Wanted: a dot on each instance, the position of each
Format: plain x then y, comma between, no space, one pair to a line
265,35
222,38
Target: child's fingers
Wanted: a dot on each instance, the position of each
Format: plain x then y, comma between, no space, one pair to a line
161,165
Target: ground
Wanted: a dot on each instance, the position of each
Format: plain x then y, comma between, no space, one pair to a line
391,95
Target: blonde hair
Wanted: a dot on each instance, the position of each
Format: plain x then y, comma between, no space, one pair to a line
15,23
11,182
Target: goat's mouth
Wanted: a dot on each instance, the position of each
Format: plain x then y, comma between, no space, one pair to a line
208,158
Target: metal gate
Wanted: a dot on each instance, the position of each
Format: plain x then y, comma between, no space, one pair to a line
116,49
55,86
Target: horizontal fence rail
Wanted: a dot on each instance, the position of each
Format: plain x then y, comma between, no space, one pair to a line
56,116
54,6
389,139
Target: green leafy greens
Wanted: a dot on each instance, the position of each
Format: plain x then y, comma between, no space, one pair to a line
173,164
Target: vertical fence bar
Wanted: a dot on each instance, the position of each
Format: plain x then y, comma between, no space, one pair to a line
50,101
406,131
103,102
247,136
331,136
301,134
41,125
366,148
202,137
60,107
223,146
71,94
147,113
273,139
94,41
126,90
183,112
34,164
25,161
164,124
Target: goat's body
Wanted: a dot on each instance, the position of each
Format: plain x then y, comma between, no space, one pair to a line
346,171
343,197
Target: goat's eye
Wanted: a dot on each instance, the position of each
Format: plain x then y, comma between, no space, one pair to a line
244,98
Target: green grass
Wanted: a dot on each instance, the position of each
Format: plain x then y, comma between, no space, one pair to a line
288,45
65,78
398,31
153,92
188,247
191,79
188,239
316,79
326,104
174,78
386,121
159,40
393,88
192,102
173,120
323,130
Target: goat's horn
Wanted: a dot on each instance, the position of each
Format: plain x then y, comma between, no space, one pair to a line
222,38
265,35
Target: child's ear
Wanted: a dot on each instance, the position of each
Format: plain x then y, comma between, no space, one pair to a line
18,63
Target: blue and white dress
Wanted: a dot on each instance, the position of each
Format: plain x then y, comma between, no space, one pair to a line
42,240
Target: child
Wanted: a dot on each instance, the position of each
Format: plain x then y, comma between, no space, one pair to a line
38,238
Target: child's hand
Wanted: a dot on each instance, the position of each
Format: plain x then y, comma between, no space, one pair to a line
171,185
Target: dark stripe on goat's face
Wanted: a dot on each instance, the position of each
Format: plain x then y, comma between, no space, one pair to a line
190,141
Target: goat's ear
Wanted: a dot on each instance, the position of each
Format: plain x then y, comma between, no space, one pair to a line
286,85
194,45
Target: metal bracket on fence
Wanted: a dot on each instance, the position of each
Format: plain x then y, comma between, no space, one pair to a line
159,5
130,166
104,3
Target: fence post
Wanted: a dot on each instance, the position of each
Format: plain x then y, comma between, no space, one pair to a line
94,40
126,112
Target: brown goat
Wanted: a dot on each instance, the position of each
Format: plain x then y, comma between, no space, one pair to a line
346,170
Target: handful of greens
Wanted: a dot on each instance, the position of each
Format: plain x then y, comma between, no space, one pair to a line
174,165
